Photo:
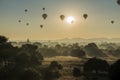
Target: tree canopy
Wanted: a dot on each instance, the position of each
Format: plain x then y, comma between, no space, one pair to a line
94,64
114,71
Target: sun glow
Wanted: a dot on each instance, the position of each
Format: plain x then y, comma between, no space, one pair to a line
70,20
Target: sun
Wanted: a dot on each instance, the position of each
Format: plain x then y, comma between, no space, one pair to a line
70,19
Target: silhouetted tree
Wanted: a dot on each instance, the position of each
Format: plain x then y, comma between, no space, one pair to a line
92,50
4,44
52,73
48,52
29,56
55,65
29,48
96,65
76,72
3,39
115,52
7,59
15,62
38,44
76,46
57,46
30,75
78,53
114,71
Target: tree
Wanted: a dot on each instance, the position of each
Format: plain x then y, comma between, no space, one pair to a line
52,72
7,59
4,43
58,49
49,52
55,65
57,46
92,50
115,52
19,63
28,60
76,72
7,52
30,75
3,39
75,46
78,53
29,48
114,71
29,56
96,65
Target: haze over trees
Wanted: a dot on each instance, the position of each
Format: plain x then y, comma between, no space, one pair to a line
92,50
25,62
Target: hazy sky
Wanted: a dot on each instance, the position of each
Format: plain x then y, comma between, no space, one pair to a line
97,25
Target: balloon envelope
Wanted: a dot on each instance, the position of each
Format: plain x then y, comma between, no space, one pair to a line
44,16
118,2
26,10
41,26
62,17
85,16
19,21
27,24
112,21
43,9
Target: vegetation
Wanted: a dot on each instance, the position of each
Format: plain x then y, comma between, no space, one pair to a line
76,72
114,71
52,72
78,53
25,62
96,65
19,63
92,50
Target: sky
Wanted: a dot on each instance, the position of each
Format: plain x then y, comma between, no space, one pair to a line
97,25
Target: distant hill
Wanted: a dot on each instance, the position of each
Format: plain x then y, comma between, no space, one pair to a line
88,40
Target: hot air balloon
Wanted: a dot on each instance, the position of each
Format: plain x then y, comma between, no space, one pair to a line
85,16
27,24
43,9
44,16
112,22
19,21
41,26
118,2
26,10
62,17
